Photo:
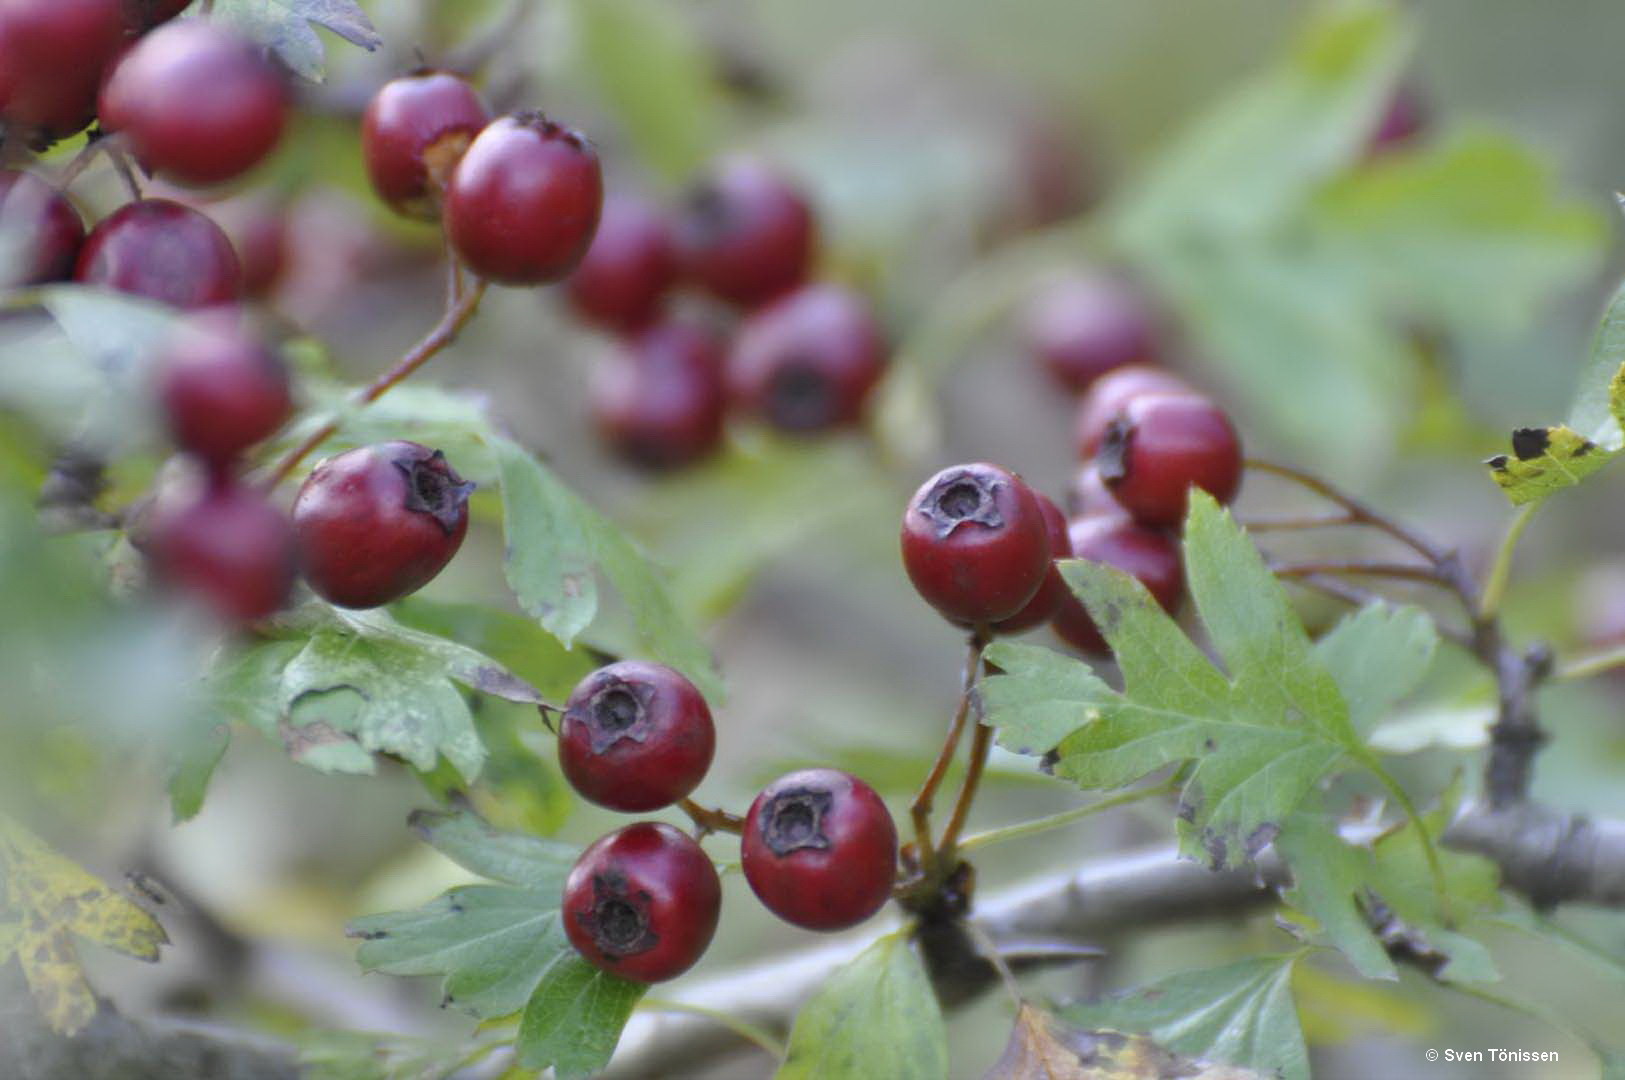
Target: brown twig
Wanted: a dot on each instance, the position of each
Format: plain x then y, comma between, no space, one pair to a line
444,333
924,798
709,820
1302,523
1399,571
1516,735
981,745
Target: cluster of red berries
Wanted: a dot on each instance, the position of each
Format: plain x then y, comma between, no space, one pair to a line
803,357
368,527
980,545
819,847
191,100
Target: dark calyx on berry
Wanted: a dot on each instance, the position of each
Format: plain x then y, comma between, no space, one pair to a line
619,918
434,488
961,497
794,819
617,710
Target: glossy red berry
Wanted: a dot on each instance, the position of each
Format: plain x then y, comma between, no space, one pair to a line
635,737
642,903
1110,393
1089,494
1162,445
975,544
523,202
41,231
746,234
809,360
52,55
163,251
657,399
227,547
413,133
1117,541
379,522
820,849
628,270
1042,607
198,102
1085,325
222,388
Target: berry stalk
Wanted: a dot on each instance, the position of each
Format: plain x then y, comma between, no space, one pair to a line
444,333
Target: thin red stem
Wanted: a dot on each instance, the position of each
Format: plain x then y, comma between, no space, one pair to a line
444,333
924,799
712,819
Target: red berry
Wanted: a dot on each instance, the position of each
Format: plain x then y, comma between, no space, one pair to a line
1116,541
199,103
808,361
259,232
628,269
1047,599
1110,393
163,251
52,55
524,200
378,522
642,903
820,849
1089,494
658,399
222,388
1088,324
228,547
975,544
41,230
1162,445
413,133
746,234
635,737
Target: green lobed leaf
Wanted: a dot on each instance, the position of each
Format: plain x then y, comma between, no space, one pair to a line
1241,1014
287,28
556,542
513,641
1545,461
492,942
876,1016
1346,887
653,70
1042,697
1378,656
574,1019
1329,878
1259,741
515,858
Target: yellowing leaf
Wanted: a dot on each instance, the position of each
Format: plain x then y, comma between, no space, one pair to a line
1043,1048
56,899
1545,461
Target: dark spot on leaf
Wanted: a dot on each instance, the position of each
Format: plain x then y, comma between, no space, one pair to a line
1262,837
1186,811
1584,448
1047,763
1498,462
455,905
1530,442
1209,745
1218,849
367,935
